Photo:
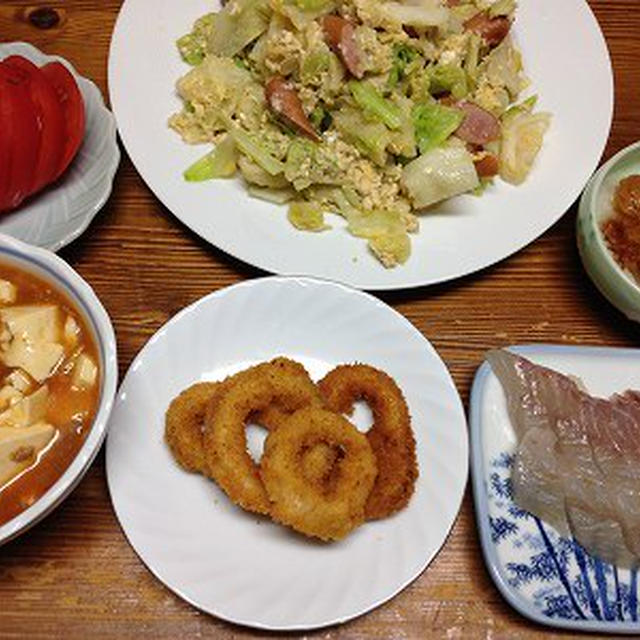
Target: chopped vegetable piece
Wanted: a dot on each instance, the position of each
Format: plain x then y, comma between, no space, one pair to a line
448,78
249,145
439,174
522,137
219,163
371,138
307,216
403,56
434,123
193,46
368,99
239,23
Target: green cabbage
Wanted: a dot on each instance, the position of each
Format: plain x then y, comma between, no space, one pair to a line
372,103
370,138
448,78
439,174
522,137
219,163
236,25
434,123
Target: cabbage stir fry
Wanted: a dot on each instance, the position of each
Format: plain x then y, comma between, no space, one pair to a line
371,109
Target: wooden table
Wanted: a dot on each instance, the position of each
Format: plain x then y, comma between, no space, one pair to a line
74,575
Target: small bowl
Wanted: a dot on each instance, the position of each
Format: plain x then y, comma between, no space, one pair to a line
50,268
616,284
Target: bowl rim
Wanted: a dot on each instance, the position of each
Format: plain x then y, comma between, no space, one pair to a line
589,198
54,269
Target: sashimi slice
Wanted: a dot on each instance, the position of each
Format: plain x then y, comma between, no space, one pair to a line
577,463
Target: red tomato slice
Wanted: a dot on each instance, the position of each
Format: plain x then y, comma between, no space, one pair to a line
72,104
51,120
19,133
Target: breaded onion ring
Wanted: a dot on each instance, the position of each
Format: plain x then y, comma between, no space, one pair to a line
281,382
184,422
390,436
328,512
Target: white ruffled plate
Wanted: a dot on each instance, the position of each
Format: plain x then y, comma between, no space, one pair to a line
60,213
245,568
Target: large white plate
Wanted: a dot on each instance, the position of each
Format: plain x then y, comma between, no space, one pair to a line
565,56
245,568
63,211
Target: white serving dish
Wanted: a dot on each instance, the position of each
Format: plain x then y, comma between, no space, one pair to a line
59,274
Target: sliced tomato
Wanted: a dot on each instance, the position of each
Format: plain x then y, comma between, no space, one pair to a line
50,118
72,104
20,133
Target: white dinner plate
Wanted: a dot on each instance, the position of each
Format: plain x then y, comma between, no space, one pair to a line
565,57
245,568
60,213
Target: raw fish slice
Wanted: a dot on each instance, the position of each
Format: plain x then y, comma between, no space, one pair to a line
536,479
532,391
602,537
578,457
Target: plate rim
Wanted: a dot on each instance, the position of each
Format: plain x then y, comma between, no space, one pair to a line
368,282
464,442
480,496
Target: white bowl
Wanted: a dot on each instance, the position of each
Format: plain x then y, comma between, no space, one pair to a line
52,269
616,284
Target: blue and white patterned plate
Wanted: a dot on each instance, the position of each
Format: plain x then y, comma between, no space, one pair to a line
545,576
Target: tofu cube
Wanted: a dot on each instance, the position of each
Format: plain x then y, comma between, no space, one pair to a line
9,396
19,448
19,380
85,372
8,292
71,331
28,411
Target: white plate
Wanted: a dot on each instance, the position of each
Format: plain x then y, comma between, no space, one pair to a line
236,565
60,213
565,56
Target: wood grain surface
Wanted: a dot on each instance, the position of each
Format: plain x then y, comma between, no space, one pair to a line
75,576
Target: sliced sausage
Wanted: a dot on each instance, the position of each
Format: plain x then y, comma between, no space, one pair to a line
479,126
340,35
493,30
284,101
487,167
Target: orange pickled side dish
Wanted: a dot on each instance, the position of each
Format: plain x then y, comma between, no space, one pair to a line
622,230
70,406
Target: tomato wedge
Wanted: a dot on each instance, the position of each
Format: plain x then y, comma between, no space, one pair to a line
72,104
50,118
19,134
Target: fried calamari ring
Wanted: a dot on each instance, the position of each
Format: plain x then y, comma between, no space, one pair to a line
281,382
318,462
184,422
184,419
326,511
390,436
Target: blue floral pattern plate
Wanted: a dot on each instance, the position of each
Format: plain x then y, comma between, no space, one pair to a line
547,577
